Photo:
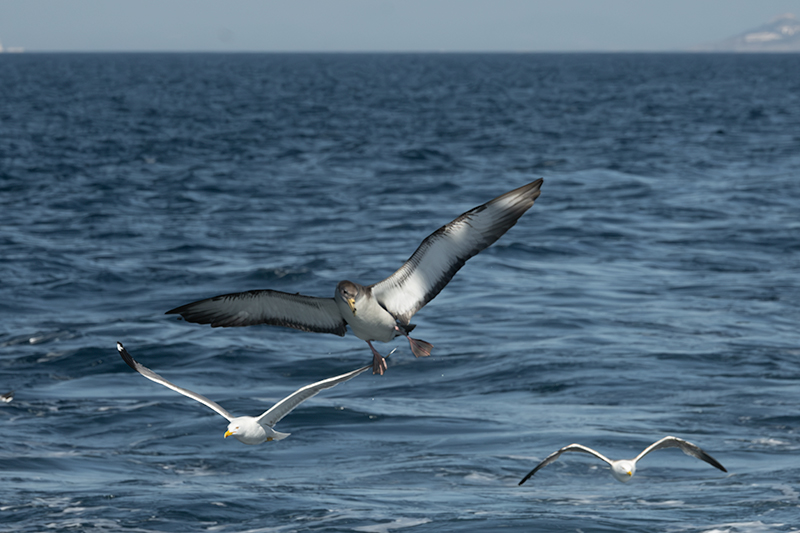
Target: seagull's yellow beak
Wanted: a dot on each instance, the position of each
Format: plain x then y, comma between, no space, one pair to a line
227,434
630,473
352,303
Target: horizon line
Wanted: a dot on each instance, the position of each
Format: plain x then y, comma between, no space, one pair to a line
697,50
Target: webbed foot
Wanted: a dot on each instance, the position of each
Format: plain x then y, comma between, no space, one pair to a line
419,347
379,365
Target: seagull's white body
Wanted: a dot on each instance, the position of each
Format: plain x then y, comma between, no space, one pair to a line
624,469
248,429
382,311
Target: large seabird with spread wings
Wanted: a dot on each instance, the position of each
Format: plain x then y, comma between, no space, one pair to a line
247,429
624,469
382,311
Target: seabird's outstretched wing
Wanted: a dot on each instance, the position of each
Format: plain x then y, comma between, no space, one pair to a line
285,406
275,308
571,448
446,250
687,447
152,376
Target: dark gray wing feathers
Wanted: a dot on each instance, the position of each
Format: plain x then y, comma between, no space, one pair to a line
275,308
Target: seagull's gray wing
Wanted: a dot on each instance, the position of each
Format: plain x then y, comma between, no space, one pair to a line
307,313
553,456
687,447
285,406
446,250
152,376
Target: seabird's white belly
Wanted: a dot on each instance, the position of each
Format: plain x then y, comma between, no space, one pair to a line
371,322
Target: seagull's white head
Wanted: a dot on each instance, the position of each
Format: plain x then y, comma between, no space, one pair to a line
348,292
247,430
623,470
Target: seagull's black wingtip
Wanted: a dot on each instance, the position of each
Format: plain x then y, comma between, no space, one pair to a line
126,356
716,464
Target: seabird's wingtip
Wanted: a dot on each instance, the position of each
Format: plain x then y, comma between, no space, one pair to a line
181,308
713,462
526,478
530,190
126,356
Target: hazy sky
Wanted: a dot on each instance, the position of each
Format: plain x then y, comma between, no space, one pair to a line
378,25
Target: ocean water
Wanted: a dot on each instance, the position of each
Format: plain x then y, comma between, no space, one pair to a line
653,289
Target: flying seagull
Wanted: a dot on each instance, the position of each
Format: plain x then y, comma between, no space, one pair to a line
248,429
382,311
624,469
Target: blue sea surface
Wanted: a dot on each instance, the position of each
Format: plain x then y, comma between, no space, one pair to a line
652,290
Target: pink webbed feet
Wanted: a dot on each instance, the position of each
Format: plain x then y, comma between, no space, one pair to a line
379,365
419,347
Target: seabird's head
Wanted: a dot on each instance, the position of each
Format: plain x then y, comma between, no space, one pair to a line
623,470
348,292
247,430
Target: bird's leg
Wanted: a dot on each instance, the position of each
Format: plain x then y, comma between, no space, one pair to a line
378,362
419,347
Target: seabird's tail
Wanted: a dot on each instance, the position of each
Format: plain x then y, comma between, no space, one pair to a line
277,435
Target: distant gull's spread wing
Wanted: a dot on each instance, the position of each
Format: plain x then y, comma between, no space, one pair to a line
152,376
285,406
275,308
446,250
555,455
687,447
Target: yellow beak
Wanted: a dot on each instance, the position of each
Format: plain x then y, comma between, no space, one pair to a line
352,303
227,434
630,473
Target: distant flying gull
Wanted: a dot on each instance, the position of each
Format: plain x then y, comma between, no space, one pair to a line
7,397
382,311
248,429
624,469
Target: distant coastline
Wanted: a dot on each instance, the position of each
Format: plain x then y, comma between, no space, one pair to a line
11,49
